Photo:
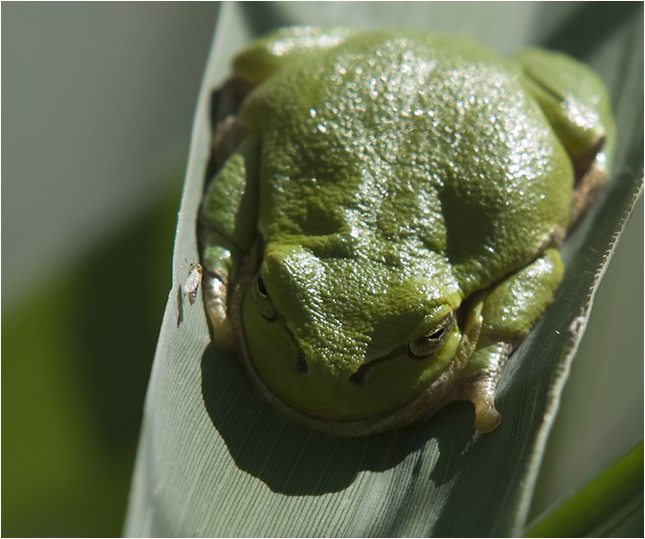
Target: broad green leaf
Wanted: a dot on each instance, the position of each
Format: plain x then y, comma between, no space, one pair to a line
600,504
214,460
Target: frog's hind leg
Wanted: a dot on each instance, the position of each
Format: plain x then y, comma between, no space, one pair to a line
575,102
270,53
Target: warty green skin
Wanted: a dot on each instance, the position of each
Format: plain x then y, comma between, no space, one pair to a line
387,180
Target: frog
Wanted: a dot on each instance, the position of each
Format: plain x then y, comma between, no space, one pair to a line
381,228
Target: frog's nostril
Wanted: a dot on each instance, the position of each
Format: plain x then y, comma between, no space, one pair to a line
359,376
301,361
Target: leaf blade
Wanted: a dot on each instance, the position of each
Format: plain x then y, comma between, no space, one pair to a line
585,511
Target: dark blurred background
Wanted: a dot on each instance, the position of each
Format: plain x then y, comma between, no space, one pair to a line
98,101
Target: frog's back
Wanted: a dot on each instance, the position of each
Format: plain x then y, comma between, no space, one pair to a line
396,148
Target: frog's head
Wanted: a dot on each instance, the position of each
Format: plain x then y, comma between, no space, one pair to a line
347,338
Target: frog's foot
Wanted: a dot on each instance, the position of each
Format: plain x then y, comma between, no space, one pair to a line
215,296
480,391
480,388
586,189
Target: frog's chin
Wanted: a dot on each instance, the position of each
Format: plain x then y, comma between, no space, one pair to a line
415,411
443,390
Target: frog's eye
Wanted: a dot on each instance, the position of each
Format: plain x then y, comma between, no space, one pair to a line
262,299
434,339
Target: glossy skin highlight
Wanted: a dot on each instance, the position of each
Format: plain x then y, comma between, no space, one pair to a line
382,238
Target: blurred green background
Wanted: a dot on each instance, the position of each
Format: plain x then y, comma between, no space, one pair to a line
98,102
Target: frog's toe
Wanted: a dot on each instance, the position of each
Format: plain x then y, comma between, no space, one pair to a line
480,390
215,295
487,418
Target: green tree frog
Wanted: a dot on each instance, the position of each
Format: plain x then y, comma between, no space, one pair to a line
383,226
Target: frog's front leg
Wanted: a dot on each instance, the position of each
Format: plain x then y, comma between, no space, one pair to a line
227,232
510,310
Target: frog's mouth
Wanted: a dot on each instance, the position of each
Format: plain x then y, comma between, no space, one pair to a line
438,393
359,375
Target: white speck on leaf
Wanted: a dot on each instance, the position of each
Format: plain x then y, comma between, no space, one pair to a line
193,281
